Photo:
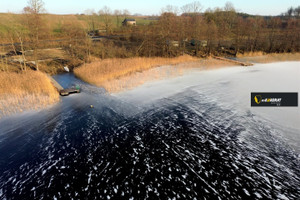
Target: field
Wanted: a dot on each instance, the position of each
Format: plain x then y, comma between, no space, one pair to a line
24,91
56,23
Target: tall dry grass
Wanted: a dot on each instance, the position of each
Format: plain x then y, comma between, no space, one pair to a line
159,73
251,53
259,57
116,75
25,91
99,72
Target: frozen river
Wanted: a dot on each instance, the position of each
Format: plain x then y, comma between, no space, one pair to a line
188,137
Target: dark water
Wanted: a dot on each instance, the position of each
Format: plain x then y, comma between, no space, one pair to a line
181,147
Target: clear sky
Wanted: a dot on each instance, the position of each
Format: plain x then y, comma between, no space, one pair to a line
149,7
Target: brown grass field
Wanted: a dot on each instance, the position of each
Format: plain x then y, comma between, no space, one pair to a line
25,91
55,23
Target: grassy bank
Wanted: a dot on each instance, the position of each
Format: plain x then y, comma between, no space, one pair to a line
25,91
260,57
116,75
159,73
99,72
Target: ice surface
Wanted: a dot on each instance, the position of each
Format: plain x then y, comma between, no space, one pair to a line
231,88
190,137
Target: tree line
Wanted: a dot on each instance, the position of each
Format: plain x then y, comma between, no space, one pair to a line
292,12
219,31
188,30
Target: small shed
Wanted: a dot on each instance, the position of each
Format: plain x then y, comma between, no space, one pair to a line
129,22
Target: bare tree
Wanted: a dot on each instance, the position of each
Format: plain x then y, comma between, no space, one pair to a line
117,14
229,15
170,9
290,39
167,23
2,40
105,13
34,22
16,34
196,7
290,12
259,26
211,34
297,12
91,19
238,32
126,13
192,8
229,7
274,25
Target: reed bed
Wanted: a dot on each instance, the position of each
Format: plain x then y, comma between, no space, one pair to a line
25,91
250,53
259,57
99,72
138,75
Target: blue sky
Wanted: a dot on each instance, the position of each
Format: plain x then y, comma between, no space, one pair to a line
262,7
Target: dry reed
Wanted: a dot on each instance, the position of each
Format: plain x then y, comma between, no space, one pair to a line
25,91
251,53
260,57
99,72
94,73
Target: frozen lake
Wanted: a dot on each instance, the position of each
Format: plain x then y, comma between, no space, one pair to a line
230,88
188,137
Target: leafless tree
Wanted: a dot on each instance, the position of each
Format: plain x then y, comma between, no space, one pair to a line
274,25
211,34
35,23
105,13
290,12
117,14
297,12
91,19
16,34
170,9
229,7
126,13
2,40
192,8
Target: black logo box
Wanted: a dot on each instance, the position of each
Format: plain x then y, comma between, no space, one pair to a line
287,99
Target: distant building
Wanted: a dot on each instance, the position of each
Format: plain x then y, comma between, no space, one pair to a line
129,22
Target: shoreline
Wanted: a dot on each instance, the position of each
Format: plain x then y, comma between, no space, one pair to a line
30,102
259,57
162,72
22,101
30,90
114,84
